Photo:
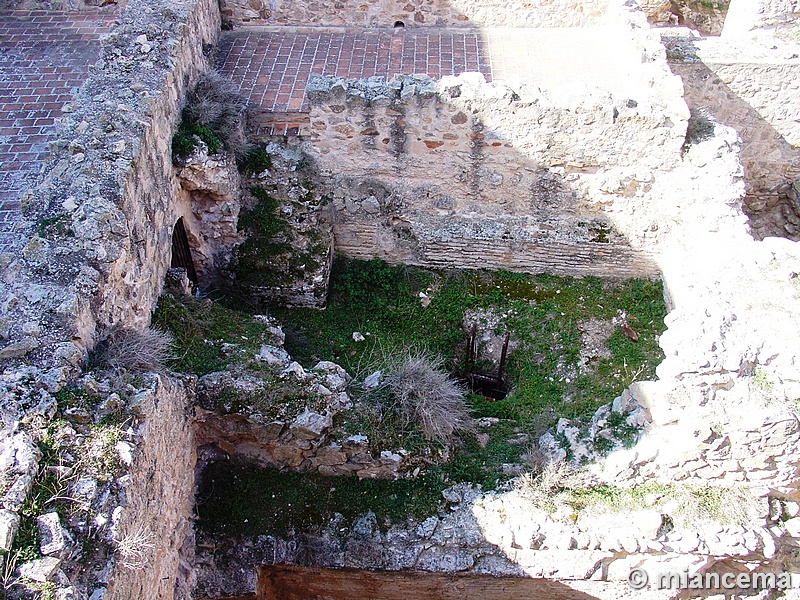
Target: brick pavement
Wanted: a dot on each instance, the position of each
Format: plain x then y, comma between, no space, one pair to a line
44,58
272,64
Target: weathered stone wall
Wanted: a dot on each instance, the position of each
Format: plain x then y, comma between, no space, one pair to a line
296,445
759,101
158,513
210,203
747,15
752,87
234,417
706,17
460,172
110,189
440,13
92,256
724,408
286,258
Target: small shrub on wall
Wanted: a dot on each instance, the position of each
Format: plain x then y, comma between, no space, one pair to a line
214,114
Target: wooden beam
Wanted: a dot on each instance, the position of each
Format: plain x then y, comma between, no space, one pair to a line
279,582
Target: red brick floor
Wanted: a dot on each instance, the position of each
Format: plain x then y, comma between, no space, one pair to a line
44,58
272,66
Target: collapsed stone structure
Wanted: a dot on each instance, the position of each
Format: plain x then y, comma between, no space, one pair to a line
585,183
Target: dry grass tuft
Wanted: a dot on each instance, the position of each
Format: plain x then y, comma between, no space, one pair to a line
135,548
216,104
131,350
542,485
427,395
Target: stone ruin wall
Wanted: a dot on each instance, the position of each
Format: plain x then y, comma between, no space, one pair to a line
760,101
461,173
747,15
109,275
111,177
159,504
462,13
439,13
706,17
210,201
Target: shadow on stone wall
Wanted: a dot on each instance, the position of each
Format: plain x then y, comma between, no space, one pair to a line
771,163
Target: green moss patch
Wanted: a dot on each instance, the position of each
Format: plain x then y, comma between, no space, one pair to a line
201,327
242,499
542,313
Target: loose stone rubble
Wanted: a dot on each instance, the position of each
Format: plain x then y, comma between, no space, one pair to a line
297,431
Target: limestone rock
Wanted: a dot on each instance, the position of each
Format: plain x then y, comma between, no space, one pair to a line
447,560
373,380
365,526
51,534
9,523
273,356
295,369
427,527
336,378
19,459
310,425
212,174
41,570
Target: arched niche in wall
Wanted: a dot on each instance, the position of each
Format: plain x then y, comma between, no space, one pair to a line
181,253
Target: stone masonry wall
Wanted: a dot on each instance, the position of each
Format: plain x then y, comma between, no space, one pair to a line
706,17
751,86
159,504
233,418
758,100
92,256
440,13
212,190
747,15
460,172
106,207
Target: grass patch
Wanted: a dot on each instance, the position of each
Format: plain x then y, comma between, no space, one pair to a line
689,506
201,327
276,400
214,114
542,311
255,161
55,227
242,499
270,256
470,462
382,302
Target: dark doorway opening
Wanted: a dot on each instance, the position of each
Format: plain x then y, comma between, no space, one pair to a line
181,254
